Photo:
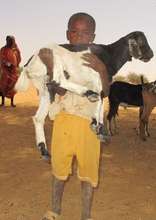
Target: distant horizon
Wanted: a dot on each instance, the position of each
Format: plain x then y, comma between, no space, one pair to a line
36,24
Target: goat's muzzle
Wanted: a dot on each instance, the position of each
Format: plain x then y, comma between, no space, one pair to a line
147,57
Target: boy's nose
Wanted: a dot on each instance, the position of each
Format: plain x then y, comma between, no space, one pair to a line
80,33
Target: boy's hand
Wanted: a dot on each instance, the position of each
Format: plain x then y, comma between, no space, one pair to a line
95,63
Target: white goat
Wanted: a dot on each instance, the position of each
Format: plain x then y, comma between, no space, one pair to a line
81,80
114,56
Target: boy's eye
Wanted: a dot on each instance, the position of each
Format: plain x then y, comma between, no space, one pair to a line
73,32
80,32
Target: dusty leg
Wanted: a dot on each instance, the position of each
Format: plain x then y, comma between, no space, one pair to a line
57,194
87,197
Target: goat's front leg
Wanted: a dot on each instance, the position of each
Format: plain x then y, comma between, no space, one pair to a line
142,129
147,130
96,118
109,123
98,125
148,112
39,120
112,126
142,122
147,134
80,90
144,118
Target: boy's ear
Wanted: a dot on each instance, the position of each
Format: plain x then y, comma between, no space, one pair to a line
67,35
92,38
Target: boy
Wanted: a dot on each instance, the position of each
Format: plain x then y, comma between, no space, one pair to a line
72,135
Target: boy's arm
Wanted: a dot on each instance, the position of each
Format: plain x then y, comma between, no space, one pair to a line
95,63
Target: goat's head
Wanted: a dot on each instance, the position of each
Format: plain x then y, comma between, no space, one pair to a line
153,87
150,87
139,47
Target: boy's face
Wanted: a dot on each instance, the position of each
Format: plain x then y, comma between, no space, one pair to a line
80,32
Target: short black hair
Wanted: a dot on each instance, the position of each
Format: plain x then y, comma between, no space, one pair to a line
82,15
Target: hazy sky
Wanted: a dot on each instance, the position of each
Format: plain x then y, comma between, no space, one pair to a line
36,23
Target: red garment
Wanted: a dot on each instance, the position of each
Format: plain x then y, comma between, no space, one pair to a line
9,59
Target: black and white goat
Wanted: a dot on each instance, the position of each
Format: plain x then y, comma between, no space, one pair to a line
122,92
142,95
113,55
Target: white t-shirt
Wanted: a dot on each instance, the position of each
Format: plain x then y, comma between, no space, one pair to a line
73,104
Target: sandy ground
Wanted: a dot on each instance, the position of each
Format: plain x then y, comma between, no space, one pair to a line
127,186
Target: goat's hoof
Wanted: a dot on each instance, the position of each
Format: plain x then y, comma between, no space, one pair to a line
103,134
47,158
104,139
44,152
40,145
91,95
93,125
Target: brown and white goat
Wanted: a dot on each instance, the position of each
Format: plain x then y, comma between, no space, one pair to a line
149,102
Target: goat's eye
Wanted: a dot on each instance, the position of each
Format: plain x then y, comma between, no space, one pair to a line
143,48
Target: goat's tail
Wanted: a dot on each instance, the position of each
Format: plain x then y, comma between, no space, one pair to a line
22,83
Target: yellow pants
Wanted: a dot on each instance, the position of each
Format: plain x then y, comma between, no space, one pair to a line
72,136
